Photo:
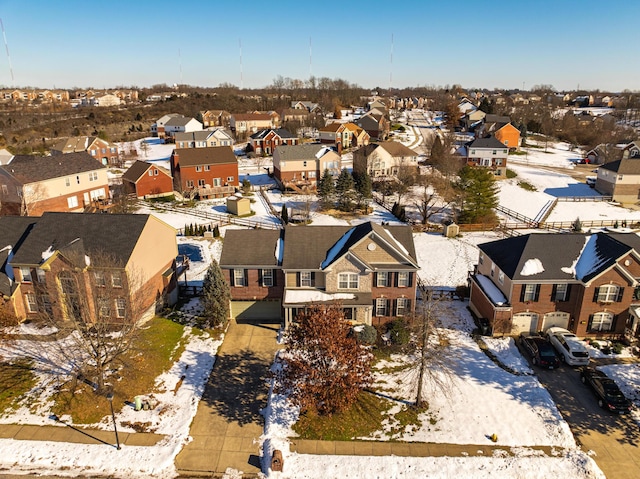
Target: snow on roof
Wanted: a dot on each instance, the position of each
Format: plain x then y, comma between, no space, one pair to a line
532,266
48,253
279,250
572,269
335,249
310,296
492,291
589,260
397,243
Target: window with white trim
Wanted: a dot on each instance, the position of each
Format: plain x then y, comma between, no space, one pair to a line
561,292
403,279
267,277
608,293
501,277
72,202
306,279
116,280
32,304
104,309
40,275
348,280
99,278
382,279
121,307
25,274
601,322
402,306
381,307
529,292
238,277
198,169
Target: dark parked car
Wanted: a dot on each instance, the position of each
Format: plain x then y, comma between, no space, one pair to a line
607,391
541,352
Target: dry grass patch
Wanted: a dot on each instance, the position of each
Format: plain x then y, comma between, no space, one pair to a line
16,378
159,346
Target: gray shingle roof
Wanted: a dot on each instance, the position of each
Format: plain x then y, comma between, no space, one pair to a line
281,132
627,166
178,121
488,142
211,155
307,151
13,229
249,248
115,235
138,169
563,256
30,169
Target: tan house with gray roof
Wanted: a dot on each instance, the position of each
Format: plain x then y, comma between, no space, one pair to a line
621,180
384,159
31,185
369,269
303,165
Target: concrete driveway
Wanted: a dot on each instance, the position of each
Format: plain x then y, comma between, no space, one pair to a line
615,439
228,424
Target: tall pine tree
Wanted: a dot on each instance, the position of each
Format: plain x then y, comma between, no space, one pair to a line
326,190
345,190
478,194
284,214
215,297
363,187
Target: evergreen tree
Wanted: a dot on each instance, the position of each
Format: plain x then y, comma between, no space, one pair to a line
326,190
345,190
478,194
216,231
215,297
284,214
363,187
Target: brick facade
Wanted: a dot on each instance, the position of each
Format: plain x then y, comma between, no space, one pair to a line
254,290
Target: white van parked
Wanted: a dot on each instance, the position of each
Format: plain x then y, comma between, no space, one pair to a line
571,351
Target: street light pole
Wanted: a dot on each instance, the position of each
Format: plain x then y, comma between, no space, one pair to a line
113,416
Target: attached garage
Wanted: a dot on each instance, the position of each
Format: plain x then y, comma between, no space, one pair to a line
524,323
256,310
556,318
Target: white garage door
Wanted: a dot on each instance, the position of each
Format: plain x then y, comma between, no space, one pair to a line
256,310
524,323
558,319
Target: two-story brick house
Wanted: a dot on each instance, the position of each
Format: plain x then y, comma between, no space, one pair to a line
147,180
210,172
86,266
31,185
369,269
102,150
585,283
266,141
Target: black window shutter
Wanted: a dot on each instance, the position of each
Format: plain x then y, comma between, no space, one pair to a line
522,291
374,309
298,279
274,275
313,278
246,277
395,279
620,294
590,322
232,277
408,303
568,293
554,290
595,294
613,322
389,313
537,294
260,277
394,305
375,279
410,279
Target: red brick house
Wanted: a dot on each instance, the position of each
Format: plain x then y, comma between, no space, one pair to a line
266,141
588,284
81,266
206,172
370,269
147,180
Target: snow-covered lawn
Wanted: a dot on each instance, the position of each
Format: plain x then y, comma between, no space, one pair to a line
479,399
177,391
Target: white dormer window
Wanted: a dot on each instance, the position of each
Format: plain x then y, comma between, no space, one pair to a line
25,274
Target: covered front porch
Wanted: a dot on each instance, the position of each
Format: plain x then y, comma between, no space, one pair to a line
357,307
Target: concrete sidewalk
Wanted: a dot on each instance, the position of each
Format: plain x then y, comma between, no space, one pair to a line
77,435
408,449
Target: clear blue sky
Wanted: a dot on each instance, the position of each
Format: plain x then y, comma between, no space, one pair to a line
504,44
